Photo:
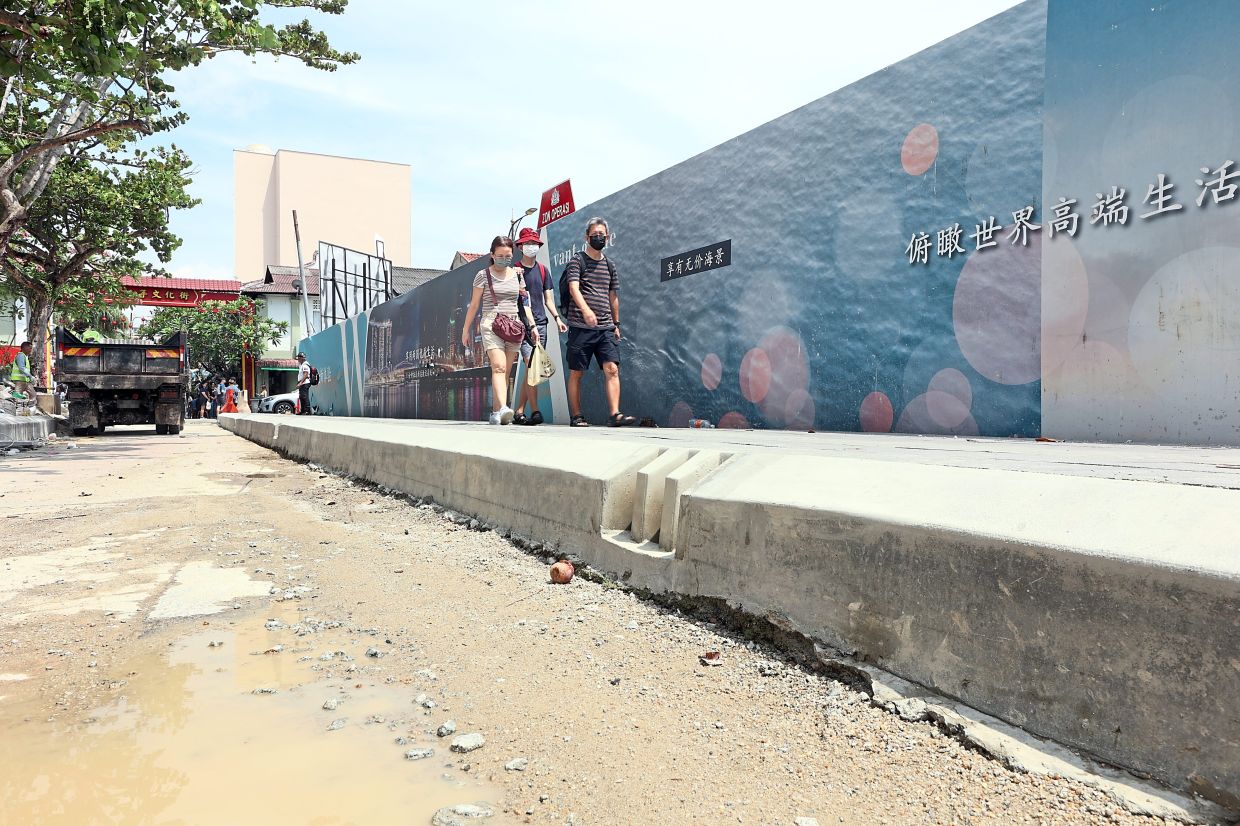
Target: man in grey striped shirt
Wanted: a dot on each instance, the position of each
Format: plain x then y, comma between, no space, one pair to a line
594,323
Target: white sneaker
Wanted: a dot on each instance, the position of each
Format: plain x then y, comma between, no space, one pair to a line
495,418
505,415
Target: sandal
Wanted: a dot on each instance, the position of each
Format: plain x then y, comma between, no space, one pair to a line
579,421
537,418
621,420
520,419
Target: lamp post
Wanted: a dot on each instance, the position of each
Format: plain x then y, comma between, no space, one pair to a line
516,222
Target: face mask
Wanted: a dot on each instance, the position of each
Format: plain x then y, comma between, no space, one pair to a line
598,241
530,250
502,261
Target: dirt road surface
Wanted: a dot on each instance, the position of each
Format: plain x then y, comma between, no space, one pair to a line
193,630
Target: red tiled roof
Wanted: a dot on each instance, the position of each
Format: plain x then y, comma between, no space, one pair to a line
469,257
215,285
279,281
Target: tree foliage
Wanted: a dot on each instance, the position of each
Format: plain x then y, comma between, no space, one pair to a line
94,74
220,333
91,229
108,320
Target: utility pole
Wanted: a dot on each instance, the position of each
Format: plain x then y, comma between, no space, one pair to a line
306,309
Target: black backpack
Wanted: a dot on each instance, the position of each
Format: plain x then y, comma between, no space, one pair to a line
314,375
566,299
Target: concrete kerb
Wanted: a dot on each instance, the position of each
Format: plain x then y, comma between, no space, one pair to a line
476,472
648,496
951,584
678,483
1021,751
25,430
938,574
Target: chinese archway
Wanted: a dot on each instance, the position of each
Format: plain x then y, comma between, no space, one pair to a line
190,292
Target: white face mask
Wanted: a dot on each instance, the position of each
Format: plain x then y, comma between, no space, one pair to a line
530,250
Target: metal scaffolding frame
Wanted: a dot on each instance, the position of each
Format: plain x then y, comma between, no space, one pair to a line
351,282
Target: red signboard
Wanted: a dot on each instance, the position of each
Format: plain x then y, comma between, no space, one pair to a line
172,297
556,203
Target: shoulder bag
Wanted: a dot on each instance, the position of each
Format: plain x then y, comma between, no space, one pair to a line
505,326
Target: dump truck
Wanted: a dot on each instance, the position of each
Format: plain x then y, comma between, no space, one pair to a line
123,381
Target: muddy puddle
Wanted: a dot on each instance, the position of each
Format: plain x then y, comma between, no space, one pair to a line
185,740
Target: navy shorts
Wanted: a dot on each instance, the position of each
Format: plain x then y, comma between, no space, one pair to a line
584,344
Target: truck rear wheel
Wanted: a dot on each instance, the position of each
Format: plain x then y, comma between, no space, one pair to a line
174,429
161,429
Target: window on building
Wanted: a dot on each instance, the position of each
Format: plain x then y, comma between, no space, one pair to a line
8,322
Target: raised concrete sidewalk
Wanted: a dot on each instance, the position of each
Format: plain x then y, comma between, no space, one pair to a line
1087,593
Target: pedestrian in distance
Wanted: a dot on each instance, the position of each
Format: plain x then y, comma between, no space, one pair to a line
21,373
232,395
497,289
540,298
208,396
593,315
303,385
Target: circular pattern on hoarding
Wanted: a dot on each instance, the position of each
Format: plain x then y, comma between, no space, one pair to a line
755,375
712,371
680,415
920,149
996,312
799,410
877,414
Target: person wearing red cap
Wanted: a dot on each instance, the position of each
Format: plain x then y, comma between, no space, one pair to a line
540,298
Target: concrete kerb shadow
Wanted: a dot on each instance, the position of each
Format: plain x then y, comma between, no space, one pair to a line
1090,629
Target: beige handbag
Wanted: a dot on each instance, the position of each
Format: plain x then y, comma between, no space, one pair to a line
540,367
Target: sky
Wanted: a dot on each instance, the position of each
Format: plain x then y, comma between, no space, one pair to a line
491,103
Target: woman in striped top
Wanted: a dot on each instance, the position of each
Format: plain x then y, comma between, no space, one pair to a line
497,289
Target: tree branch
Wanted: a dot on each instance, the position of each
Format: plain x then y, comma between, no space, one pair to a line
127,125
9,20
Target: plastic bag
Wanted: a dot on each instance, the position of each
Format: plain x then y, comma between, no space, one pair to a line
540,367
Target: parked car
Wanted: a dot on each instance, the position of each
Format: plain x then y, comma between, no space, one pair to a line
283,403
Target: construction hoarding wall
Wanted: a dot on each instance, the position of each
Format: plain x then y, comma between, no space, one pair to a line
937,248
817,319
405,359
1141,311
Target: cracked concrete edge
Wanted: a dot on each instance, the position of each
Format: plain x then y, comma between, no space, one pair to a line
1021,751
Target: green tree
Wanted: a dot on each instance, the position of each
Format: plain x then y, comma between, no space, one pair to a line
108,320
90,230
219,333
95,74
